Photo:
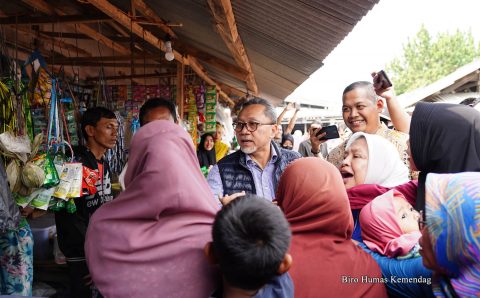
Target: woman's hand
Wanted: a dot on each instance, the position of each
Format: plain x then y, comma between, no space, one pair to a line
228,198
25,212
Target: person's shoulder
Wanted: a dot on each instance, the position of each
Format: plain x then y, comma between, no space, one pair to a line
304,143
338,150
393,135
221,143
280,286
289,154
80,153
232,157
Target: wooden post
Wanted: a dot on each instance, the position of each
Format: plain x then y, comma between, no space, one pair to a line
226,26
180,87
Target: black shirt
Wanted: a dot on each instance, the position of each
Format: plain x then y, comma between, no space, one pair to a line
72,227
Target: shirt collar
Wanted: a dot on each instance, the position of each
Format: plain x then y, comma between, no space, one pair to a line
273,159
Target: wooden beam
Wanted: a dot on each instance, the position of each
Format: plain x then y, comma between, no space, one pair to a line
41,6
124,20
137,76
149,13
67,35
226,26
203,75
107,59
119,29
23,20
232,91
233,70
46,8
180,87
60,44
108,64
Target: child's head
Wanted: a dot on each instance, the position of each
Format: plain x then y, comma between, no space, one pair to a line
390,224
250,241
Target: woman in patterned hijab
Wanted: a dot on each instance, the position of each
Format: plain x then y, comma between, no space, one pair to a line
451,239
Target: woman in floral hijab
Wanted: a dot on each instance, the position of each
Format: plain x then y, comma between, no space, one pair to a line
451,239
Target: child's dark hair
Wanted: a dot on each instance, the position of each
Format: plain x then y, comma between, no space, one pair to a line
93,115
250,239
156,102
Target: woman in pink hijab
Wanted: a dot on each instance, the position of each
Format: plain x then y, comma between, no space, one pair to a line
149,241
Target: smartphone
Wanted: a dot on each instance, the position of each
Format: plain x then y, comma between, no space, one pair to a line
332,132
383,80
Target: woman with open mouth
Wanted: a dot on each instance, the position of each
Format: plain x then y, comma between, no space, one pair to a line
372,166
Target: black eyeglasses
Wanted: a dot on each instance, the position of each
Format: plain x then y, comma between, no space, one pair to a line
251,126
421,222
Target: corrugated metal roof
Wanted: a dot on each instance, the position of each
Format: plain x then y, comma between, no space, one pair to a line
286,40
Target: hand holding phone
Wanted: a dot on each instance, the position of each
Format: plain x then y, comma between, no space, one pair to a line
331,133
381,81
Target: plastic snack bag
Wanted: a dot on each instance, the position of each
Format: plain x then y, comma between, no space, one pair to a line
43,199
23,201
51,176
204,171
75,190
71,208
56,204
67,177
90,178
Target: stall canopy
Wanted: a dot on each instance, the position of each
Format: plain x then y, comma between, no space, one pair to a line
245,47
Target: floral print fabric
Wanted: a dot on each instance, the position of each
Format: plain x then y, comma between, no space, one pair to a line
16,261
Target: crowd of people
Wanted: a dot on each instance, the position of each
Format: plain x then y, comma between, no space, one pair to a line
388,212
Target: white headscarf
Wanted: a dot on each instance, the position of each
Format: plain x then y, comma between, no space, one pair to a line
385,167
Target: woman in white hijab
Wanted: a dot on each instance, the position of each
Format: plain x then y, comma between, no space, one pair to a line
371,159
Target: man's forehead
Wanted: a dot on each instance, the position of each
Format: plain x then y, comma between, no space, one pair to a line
357,95
108,120
252,112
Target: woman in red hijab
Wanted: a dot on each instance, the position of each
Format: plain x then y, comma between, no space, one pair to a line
326,262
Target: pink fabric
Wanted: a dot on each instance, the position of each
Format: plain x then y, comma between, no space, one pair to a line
149,241
380,229
363,194
312,196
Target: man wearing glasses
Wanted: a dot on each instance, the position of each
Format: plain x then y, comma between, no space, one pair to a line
257,166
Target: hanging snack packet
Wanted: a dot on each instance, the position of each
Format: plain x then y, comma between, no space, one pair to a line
90,178
71,208
43,199
67,177
23,201
51,176
75,190
204,171
56,204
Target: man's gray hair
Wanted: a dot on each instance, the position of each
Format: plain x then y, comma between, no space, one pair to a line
269,109
367,86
